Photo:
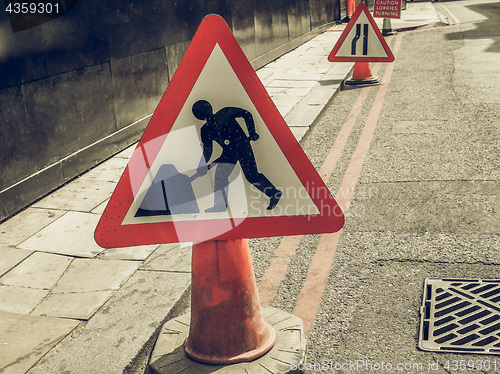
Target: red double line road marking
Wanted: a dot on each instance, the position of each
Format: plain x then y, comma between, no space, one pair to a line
275,273
312,292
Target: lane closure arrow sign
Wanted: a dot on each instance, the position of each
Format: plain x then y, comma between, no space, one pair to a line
361,41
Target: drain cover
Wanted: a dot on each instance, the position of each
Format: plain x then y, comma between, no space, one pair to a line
461,315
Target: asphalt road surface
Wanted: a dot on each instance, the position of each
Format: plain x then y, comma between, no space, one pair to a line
414,163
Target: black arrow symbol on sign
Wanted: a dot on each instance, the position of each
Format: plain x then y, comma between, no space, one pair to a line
356,38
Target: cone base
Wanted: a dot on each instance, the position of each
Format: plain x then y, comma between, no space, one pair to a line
169,355
388,32
357,82
268,342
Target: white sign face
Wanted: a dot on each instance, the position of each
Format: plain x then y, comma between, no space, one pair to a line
173,173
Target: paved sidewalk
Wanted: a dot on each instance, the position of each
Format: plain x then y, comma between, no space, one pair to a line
67,305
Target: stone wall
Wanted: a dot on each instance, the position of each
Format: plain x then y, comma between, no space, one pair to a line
80,86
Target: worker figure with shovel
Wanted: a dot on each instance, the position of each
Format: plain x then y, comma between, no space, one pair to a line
223,128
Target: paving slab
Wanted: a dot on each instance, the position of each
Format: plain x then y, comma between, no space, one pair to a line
298,75
25,339
296,92
113,337
109,171
264,72
139,253
100,208
75,305
304,114
299,132
80,195
284,106
126,153
10,257
21,300
291,83
72,234
85,275
170,257
337,72
276,91
25,224
307,109
38,271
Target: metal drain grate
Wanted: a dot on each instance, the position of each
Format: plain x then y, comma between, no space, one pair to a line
461,315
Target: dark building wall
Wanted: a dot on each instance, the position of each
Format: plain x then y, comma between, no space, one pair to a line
81,87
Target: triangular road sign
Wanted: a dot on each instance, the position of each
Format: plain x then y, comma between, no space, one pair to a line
216,161
361,41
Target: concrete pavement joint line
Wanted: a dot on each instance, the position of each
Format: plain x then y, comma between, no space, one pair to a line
310,297
79,292
161,270
422,261
265,368
432,180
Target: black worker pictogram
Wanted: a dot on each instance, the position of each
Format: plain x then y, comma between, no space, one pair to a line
223,128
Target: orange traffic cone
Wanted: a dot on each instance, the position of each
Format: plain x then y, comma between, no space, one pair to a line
350,8
226,321
362,74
